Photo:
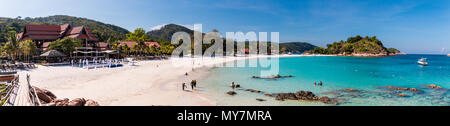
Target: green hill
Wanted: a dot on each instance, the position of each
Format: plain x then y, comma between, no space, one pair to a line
100,30
356,46
167,31
296,47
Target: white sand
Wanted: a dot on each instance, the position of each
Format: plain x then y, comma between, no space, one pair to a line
144,84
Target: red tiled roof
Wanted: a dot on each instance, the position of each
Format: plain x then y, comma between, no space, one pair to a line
45,44
40,27
64,27
132,43
102,44
91,35
150,44
43,37
75,30
55,32
128,43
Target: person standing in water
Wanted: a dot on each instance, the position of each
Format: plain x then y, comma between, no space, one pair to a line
233,86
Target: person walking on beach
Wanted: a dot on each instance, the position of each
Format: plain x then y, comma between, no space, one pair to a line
195,83
192,85
320,83
183,86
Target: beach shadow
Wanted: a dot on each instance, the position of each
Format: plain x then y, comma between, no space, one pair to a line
187,90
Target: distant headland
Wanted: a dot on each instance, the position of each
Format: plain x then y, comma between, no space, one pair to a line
357,46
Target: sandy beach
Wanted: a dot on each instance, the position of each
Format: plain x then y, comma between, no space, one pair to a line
156,82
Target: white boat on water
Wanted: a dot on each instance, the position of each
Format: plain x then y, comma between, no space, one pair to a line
422,61
448,54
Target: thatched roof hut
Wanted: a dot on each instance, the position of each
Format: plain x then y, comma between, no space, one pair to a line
53,53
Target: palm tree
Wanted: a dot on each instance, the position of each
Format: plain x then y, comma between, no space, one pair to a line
12,46
28,48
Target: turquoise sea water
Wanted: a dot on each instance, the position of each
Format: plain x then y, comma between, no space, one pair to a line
370,75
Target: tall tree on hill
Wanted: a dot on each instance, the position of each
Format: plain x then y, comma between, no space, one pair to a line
140,37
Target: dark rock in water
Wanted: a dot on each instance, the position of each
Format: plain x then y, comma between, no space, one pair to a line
279,98
396,88
238,86
351,90
433,86
259,99
414,89
231,93
402,95
403,88
253,91
272,77
268,95
304,95
327,100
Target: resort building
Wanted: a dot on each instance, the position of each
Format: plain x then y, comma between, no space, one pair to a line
132,43
44,34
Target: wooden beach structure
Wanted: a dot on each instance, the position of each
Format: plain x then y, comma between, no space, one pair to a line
18,93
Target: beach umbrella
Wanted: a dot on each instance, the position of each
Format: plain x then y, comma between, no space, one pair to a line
53,53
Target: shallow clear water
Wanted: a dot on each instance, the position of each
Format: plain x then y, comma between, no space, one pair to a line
370,75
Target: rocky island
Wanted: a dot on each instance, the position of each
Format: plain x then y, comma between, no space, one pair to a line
357,46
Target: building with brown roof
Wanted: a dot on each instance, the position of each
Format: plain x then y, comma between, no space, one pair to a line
43,34
132,43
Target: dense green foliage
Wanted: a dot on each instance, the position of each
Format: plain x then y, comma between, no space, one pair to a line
100,30
295,47
16,49
354,45
393,50
167,31
66,45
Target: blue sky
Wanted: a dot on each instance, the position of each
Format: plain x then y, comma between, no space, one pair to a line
413,26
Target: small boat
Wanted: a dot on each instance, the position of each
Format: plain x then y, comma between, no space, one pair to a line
422,61
448,54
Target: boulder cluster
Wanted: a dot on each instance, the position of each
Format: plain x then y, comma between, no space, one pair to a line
434,86
253,90
403,88
303,95
47,98
231,93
